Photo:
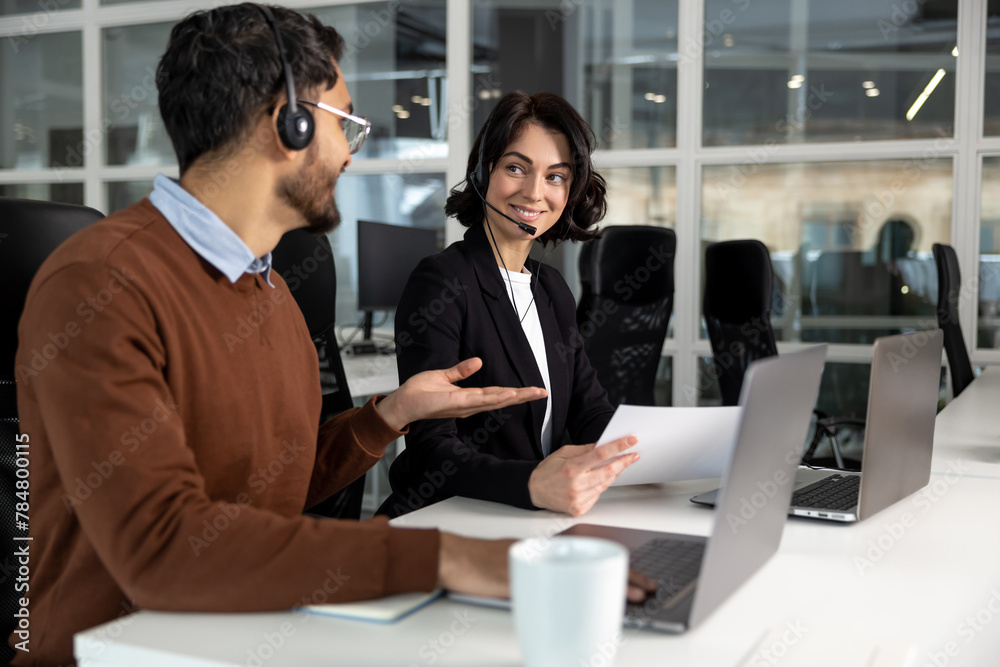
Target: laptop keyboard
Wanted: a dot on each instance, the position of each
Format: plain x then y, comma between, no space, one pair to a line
836,492
673,564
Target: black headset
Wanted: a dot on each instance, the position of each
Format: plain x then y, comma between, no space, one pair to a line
479,179
480,176
295,124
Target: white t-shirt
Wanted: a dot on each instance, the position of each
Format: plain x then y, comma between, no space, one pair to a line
528,314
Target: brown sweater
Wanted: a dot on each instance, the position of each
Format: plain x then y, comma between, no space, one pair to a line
174,443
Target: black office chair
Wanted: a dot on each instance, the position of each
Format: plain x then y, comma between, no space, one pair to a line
29,232
949,294
739,281
628,294
737,309
306,262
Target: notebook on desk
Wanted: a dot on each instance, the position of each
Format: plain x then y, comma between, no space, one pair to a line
382,610
899,436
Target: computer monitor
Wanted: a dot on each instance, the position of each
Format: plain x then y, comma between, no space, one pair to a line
387,255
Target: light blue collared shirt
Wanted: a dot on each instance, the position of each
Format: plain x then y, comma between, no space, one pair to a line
207,235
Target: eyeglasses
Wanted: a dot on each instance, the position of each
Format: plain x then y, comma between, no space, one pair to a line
356,130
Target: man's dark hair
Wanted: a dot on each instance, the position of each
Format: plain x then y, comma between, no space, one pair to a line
221,69
586,204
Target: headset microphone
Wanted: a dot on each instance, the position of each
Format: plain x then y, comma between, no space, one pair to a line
480,176
521,225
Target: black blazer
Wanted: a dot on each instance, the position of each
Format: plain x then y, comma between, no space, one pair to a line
455,306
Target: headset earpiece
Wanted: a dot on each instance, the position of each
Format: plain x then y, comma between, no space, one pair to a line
295,124
480,179
480,176
295,128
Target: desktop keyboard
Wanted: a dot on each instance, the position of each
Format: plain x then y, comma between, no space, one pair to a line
673,564
836,492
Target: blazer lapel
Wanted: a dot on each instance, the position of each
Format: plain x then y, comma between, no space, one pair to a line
515,343
556,359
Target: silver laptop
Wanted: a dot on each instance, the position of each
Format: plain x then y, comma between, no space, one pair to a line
696,574
899,436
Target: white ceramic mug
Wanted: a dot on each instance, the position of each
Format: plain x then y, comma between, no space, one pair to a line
568,599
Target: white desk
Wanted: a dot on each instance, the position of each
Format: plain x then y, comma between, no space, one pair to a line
370,374
968,429
920,584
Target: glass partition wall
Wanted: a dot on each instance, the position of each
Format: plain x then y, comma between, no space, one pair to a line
849,137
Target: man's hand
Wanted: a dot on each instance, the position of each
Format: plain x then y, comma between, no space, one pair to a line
640,586
480,567
572,478
433,395
474,567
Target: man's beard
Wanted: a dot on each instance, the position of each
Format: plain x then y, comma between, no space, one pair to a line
310,192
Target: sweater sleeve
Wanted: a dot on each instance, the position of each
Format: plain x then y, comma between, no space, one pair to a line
152,522
349,445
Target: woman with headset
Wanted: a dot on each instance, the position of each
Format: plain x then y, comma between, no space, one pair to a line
531,180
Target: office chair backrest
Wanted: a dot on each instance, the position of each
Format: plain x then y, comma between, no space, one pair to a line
949,294
305,262
29,232
737,310
627,277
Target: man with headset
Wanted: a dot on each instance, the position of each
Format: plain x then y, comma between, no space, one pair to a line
169,466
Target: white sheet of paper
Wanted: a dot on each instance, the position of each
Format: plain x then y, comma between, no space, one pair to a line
674,443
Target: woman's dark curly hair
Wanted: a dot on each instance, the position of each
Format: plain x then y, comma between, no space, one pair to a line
587,201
